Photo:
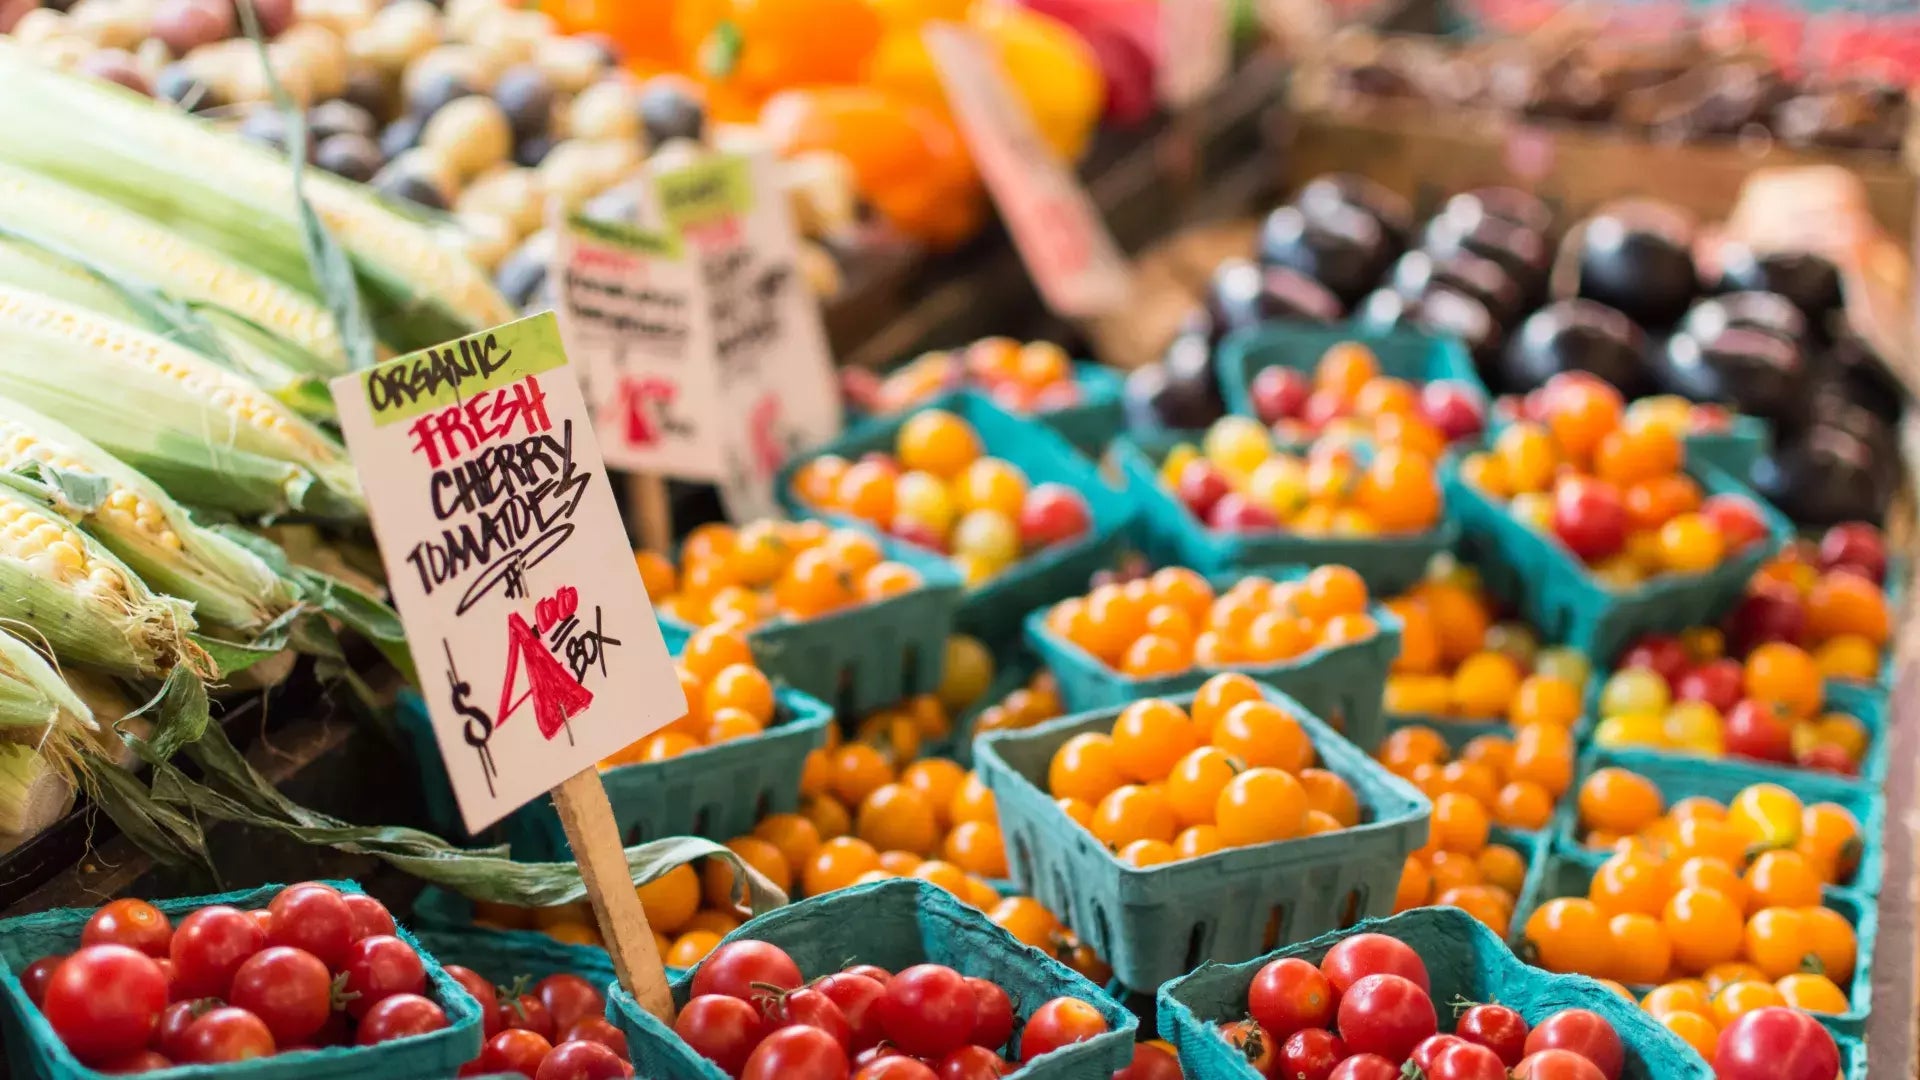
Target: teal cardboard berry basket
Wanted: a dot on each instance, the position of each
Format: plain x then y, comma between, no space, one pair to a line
1678,778
992,610
870,656
1567,873
1088,424
1559,596
1340,683
1152,925
1736,450
1465,961
1172,535
1403,354
897,924
34,1051
509,957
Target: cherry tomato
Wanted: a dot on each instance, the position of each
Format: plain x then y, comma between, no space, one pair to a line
316,918
289,989
734,968
1366,1067
877,974
583,1061
1583,1032
482,991
34,979
724,1030
598,1029
526,1013
1060,1022
104,1000
370,917
400,1016
226,1034
134,923
380,966
515,1050
175,1019
993,1015
1386,1015
1290,995
141,1061
973,1063
1560,1065
569,999
856,996
1497,1028
1776,1043
1052,514
1372,954
928,1011
1252,1041
1151,1062
1589,517
797,1053
895,1067
208,947
1467,1061
807,1007
1430,1048
263,919
1311,1054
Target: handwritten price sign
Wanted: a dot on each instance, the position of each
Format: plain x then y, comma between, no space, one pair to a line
508,562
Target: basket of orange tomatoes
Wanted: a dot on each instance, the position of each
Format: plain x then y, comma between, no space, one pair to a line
1079,400
1595,523
1174,831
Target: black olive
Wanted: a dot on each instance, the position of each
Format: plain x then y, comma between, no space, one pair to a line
432,93
350,155
178,84
669,109
521,276
409,185
337,117
526,96
533,150
401,136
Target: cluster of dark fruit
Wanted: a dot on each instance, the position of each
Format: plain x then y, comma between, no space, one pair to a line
1762,333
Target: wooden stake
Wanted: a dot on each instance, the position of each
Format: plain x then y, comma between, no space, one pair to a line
652,513
587,817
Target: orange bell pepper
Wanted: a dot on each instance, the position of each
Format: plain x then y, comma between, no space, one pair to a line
1055,72
641,28
771,45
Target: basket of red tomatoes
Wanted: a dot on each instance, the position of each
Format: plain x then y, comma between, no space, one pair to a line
308,982
894,980
538,999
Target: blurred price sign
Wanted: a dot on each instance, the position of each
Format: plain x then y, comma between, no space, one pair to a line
1059,232
1196,49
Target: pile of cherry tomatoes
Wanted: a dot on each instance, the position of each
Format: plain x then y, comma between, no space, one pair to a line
1347,396
941,491
1030,377
772,569
314,968
1365,1012
558,1030
728,698
1828,598
1457,662
752,1013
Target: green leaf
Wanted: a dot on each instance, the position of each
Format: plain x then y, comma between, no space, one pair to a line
180,718
85,492
169,837
720,53
360,613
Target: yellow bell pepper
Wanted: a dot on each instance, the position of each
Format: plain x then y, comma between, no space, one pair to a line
1053,70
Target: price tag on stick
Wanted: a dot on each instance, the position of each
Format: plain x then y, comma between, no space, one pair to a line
538,649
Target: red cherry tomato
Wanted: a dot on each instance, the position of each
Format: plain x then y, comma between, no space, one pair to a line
895,1067
1583,1032
34,979
141,1061
264,920
104,1001
734,968
1311,1054
381,966
175,1019
569,999
1778,1044
1663,653
797,1053
1052,514
1589,517
1290,994
134,923
1372,954
1467,1061
1560,1065
313,917
928,1011
526,1013
1060,1022
877,974
208,947
1738,520
1716,682
1366,1067
289,989
1430,1048
583,1061
993,1015
1151,1062
1253,1042
1387,1015
1497,1028
514,1050
724,1030
400,1016
598,1029
973,1063
807,1007
856,996
483,992
370,917
1759,730
226,1034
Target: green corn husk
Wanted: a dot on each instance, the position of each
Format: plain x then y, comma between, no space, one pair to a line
213,188
227,585
46,723
205,434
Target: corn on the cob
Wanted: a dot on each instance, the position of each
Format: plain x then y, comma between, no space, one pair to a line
87,606
227,585
207,435
35,702
238,199
44,719
48,212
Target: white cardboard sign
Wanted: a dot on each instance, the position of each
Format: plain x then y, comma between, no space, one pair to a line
1059,232
538,650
